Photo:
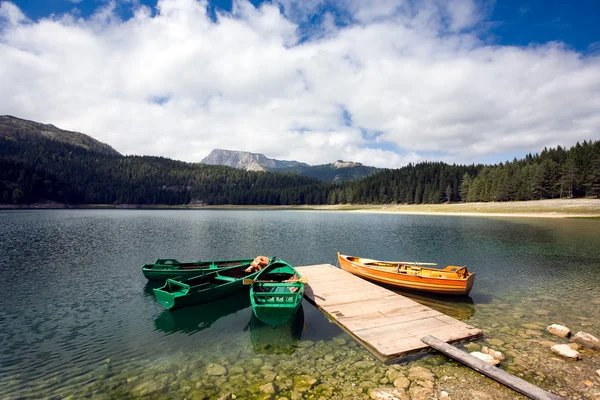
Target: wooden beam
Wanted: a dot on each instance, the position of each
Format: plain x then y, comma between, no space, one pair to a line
513,382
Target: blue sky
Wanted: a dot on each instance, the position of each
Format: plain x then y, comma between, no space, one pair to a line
509,22
381,82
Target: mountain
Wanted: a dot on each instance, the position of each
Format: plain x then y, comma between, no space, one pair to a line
339,171
13,128
249,161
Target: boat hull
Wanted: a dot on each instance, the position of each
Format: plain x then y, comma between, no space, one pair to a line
429,284
273,297
161,270
206,288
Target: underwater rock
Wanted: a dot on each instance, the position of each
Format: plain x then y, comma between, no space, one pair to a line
586,340
444,395
216,370
363,364
268,388
565,351
532,326
532,332
498,355
495,342
558,330
146,388
420,374
303,383
485,357
472,347
598,372
541,312
385,393
418,392
236,370
402,383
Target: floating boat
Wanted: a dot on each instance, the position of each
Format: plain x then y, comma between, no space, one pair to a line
453,279
276,293
204,288
169,268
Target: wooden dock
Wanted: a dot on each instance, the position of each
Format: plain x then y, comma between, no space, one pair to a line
388,324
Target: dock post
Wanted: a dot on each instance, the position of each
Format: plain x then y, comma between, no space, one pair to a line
513,382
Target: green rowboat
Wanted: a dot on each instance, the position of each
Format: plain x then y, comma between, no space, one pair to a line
276,293
168,268
202,289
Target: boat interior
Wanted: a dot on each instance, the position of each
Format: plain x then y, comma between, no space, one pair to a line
417,269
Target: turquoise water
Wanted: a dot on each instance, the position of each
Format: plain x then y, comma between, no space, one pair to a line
80,320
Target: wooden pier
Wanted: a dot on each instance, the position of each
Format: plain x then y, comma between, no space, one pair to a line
388,324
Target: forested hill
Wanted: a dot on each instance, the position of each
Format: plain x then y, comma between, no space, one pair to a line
554,173
34,169
14,128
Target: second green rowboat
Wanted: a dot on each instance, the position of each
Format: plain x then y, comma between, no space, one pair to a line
202,289
276,293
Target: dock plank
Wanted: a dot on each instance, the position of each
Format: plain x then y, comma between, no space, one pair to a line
388,324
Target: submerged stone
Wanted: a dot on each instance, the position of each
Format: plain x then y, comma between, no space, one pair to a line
401,382
268,388
146,388
216,370
498,355
485,357
420,374
303,383
385,393
495,342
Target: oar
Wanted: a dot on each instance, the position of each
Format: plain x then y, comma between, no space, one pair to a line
249,281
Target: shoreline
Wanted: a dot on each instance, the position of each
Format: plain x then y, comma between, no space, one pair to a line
555,208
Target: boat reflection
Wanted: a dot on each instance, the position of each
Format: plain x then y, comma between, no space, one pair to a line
194,319
459,307
281,339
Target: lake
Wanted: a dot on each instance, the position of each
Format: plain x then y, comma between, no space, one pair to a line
79,320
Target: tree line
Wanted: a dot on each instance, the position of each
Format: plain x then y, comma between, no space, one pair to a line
34,170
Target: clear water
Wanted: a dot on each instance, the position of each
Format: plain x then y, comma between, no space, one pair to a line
79,319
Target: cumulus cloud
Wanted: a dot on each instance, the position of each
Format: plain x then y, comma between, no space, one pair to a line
400,82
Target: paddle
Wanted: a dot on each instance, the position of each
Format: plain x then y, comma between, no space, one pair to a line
249,281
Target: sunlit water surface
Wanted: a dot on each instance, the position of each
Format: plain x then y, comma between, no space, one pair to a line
79,320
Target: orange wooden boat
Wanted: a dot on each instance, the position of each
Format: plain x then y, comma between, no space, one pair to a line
414,276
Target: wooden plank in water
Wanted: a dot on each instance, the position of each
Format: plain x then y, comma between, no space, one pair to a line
388,324
513,382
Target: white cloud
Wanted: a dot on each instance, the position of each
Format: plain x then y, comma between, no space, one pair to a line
11,13
413,77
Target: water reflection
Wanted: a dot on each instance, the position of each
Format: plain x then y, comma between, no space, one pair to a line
459,307
194,319
279,339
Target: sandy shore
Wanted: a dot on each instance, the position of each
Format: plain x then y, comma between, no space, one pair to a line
556,208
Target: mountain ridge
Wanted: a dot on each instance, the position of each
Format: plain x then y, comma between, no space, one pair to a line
338,171
13,128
